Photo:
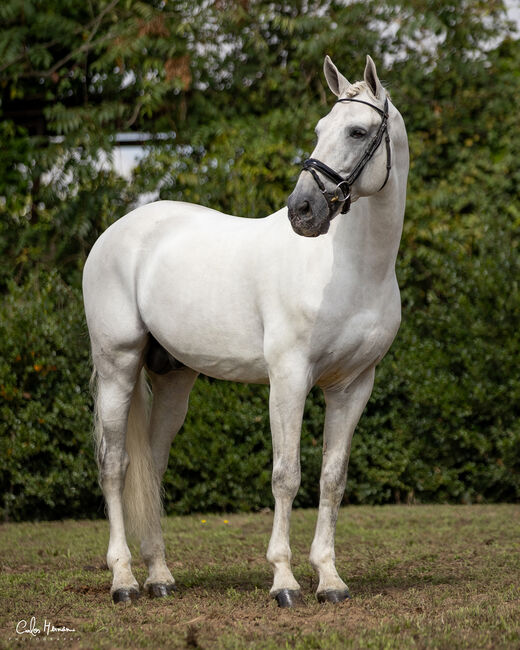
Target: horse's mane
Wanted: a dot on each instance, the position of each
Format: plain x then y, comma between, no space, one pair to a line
358,87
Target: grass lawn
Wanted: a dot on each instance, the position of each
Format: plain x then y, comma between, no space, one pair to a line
420,577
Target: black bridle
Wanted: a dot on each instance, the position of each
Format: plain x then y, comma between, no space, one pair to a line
343,185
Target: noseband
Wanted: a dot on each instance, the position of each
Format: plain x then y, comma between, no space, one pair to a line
341,193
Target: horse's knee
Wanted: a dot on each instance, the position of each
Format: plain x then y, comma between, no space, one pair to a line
286,480
333,479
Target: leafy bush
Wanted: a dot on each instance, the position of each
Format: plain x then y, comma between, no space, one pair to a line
222,458
48,469
441,425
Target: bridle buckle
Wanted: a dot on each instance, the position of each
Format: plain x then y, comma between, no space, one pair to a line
345,191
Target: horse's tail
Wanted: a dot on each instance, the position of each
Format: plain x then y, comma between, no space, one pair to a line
142,503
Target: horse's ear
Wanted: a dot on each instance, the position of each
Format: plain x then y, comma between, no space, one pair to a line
372,80
337,82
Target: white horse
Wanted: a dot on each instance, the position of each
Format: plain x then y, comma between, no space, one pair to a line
174,289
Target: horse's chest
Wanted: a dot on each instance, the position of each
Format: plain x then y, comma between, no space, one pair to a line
360,343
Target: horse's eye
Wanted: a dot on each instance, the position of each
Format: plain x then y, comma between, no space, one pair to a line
357,133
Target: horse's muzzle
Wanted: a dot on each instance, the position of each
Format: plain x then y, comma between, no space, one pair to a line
303,219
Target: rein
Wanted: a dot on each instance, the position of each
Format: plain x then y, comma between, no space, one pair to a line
343,185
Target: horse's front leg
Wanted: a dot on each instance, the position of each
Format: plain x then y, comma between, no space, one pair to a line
343,410
286,403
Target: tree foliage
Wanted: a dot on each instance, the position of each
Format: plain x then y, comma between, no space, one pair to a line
228,92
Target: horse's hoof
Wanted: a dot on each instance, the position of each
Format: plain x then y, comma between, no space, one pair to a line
289,598
160,590
125,595
333,596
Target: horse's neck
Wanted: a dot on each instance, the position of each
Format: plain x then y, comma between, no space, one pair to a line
368,239
371,237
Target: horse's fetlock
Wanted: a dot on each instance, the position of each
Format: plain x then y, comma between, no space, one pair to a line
321,557
119,559
280,556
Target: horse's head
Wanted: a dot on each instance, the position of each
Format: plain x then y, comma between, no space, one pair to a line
352,157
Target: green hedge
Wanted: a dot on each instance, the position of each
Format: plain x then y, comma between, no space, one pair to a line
48,470
442,423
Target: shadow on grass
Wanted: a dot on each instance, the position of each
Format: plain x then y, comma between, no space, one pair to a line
369,587
250,576
219,581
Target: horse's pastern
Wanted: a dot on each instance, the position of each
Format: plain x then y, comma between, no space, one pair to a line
160,590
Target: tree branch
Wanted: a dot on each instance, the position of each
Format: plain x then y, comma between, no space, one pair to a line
94,25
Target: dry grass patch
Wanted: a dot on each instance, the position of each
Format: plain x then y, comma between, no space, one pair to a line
420,576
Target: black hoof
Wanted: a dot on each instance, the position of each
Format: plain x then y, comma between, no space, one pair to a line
160,590
289,598
333,596
124,595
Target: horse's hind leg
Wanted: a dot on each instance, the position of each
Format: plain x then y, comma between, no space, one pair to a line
116,384
170,404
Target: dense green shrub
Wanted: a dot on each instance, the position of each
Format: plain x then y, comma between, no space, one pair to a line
222,458
48,468
441,425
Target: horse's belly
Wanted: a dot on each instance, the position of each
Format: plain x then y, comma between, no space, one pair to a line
214,354
208,323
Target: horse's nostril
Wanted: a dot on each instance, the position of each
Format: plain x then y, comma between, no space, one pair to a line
305,208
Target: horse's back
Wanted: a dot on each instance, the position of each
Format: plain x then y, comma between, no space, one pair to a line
143,227
135,239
